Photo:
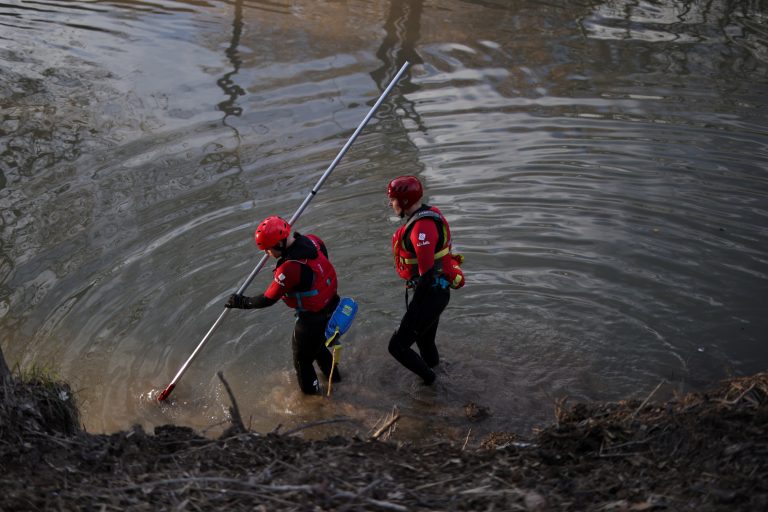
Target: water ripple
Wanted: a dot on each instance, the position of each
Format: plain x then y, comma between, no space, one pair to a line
604,177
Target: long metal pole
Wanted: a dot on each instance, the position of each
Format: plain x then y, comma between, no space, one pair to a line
167,391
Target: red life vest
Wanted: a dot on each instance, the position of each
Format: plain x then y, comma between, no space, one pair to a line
406,263
324,283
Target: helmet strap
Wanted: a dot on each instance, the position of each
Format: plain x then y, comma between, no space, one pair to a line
403,207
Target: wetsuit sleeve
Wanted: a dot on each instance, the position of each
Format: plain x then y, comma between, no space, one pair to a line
260,301
287,277
424,237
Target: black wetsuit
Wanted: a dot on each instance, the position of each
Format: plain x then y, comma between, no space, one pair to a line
308,340
419,325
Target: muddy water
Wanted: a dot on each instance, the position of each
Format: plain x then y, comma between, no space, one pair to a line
603,166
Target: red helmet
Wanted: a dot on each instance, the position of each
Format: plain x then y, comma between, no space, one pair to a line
406,189
271,231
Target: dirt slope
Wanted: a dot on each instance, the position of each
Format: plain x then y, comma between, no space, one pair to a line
702,452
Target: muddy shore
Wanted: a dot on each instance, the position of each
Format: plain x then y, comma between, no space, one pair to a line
702,452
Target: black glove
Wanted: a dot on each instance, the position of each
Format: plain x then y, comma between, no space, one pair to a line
238,302
425,281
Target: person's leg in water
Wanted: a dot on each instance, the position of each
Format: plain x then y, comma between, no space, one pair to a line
303,358
427,346
419,325
308,347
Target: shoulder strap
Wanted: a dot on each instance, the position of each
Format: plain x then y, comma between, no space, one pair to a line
423,214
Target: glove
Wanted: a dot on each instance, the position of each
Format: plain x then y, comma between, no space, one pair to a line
425,281
238,301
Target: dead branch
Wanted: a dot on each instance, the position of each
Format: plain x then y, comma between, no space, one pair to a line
315,424
647,398
387,425
237,422
5,372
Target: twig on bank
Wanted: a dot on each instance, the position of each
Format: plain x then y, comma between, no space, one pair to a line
737,399
315,424
467,439
387,425
151,484
234,410
647,398
5,372
387,505
441,482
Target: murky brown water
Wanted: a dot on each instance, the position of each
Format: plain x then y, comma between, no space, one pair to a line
604,167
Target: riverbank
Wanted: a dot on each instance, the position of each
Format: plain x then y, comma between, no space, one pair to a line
703,452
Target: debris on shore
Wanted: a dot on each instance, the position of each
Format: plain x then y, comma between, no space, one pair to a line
702,452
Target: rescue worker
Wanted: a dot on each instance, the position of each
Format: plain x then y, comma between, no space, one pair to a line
421,248
306,281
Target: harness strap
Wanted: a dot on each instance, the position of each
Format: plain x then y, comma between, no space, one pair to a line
298,296
413,261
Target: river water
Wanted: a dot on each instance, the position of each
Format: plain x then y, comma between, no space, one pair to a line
604,167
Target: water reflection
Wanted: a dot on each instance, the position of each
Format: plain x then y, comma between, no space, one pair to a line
681,22
603,165
402,28
270,7
224,159
226,82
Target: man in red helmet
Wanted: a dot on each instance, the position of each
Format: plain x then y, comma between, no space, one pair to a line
421,248
306,281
